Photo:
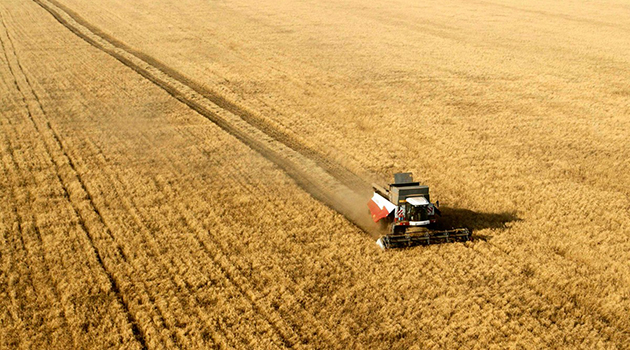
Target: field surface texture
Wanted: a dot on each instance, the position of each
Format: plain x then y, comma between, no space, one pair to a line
195,173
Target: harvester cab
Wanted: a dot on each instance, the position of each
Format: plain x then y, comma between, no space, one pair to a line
404,209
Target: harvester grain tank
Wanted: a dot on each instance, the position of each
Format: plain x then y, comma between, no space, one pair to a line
404,209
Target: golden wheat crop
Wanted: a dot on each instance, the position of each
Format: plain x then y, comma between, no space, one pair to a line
173,174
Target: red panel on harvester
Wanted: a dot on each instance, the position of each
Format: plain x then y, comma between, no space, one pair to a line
380,207
377,213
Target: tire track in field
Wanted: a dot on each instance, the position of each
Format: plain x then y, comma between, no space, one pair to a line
331,184
274,325
136,330
344,175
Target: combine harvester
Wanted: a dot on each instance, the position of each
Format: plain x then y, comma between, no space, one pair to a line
406,212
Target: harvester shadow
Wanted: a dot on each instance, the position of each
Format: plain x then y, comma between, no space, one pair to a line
474,221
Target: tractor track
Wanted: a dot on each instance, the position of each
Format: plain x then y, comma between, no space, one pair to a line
325,180
344,175
287,335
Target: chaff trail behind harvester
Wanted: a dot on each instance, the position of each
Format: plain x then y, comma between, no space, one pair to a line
406,213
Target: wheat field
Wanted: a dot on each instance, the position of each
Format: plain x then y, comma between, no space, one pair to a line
195,173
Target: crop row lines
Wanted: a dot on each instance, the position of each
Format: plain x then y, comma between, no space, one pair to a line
187,210
67,175
31,243
27,291
61,249
121,187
